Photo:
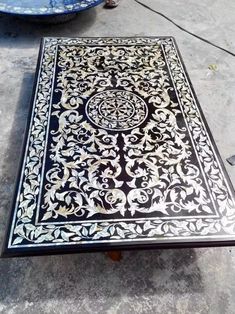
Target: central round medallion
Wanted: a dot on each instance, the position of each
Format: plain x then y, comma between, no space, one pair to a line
116,110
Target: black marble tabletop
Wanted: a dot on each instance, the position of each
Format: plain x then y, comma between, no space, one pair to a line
117,154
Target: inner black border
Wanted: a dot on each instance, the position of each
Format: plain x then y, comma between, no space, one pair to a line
135,244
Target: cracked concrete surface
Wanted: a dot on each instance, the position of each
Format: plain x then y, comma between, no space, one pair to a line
160,281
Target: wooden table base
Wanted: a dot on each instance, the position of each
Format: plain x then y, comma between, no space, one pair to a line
115,256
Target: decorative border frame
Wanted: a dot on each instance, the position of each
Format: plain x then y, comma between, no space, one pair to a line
32,240
65,9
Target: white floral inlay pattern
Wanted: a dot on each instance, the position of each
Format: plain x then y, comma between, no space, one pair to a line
171,165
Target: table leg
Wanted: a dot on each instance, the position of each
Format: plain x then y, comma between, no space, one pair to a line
115,256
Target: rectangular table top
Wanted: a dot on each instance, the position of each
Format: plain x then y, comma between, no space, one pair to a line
117,154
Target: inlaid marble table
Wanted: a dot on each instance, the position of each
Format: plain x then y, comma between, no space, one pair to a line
117,154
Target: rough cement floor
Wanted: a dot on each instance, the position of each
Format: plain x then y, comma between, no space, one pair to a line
167,281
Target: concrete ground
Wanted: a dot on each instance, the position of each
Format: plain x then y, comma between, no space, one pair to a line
167,281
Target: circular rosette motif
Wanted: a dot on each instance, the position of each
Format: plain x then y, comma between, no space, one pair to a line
116,110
